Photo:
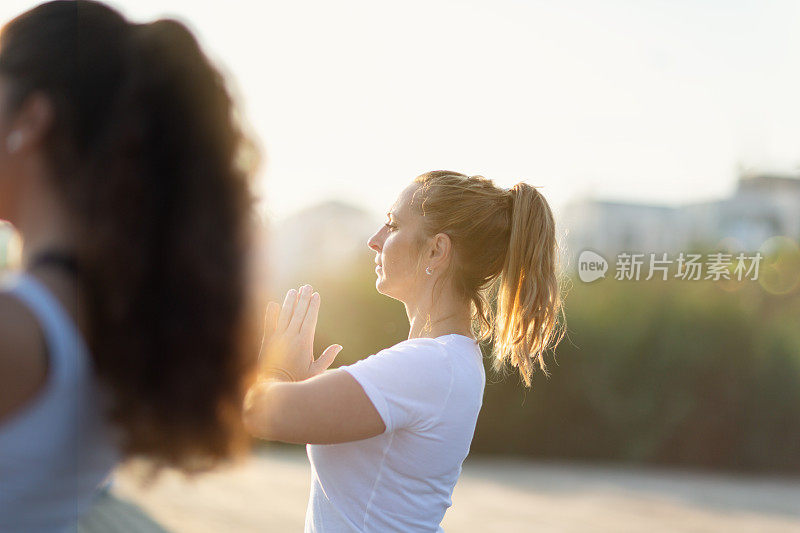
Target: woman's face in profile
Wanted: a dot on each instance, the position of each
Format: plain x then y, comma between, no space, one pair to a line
8,185
396,245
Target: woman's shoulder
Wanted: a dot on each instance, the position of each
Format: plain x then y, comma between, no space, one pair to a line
23,364
406,355
421,347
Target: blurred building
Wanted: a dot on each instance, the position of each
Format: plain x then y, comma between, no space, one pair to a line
324,237
763,205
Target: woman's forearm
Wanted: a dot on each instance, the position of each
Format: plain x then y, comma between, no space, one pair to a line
263,409
327,409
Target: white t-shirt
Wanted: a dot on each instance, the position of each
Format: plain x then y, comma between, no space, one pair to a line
428,393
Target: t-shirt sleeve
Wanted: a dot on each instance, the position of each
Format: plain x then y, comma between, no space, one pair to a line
408,384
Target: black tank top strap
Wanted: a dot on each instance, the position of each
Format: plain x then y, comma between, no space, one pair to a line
55,258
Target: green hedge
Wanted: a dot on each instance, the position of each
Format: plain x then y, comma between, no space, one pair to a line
681,373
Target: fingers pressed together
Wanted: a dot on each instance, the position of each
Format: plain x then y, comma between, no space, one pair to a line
299,312
294,324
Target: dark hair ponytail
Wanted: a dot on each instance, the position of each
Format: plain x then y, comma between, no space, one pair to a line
146,153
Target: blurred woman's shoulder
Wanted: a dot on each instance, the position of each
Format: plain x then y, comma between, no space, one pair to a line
23,359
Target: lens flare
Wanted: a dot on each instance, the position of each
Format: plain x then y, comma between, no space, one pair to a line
780,268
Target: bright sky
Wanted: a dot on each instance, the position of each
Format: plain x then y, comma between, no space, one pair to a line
654,101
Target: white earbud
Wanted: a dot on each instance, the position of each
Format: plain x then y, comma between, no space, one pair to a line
14,141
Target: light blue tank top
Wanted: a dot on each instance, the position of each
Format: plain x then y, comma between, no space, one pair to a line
57,449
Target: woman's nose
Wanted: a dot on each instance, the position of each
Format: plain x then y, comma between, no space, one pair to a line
374,241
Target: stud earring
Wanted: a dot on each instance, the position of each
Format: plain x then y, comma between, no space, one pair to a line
428,271
14,141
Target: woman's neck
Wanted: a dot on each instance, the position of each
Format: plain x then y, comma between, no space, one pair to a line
42,220
447,316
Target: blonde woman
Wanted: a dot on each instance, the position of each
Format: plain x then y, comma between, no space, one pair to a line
387,435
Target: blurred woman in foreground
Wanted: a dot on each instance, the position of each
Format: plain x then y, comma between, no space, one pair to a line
124,334
388,434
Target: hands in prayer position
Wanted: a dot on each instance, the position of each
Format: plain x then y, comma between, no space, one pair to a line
288,350
321,407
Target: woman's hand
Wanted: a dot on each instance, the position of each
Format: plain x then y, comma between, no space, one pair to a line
324,407
288,352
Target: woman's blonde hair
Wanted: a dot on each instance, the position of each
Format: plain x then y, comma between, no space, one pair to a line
505,256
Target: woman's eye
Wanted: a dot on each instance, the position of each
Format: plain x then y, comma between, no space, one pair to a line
390,226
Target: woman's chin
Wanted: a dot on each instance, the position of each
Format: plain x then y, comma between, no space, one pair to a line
380,285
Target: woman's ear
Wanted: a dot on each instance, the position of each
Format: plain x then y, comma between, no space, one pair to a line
31,125
440,250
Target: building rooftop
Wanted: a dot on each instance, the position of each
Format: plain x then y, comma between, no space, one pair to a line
771,182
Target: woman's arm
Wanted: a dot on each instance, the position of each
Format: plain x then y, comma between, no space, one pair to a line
296,400
23,362
327,409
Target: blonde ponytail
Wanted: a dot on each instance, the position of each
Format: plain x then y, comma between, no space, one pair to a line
529,302
504,241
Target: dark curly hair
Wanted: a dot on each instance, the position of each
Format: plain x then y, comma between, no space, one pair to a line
147,152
